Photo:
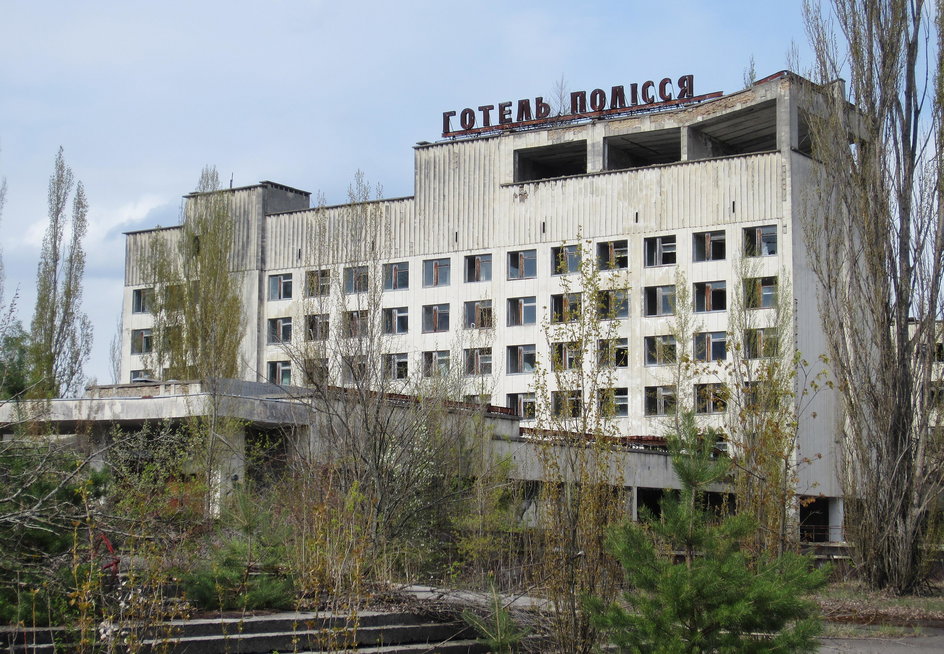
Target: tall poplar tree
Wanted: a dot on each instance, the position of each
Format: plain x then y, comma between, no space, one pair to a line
60,334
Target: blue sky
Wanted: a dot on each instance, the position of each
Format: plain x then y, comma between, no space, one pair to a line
305,93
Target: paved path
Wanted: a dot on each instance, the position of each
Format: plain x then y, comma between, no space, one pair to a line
933,642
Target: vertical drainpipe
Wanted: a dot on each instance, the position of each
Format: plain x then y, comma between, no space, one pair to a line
261,303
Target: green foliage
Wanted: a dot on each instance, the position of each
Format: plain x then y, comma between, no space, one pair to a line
497,629
691,588
14,345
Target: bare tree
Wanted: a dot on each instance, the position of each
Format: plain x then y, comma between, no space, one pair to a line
60,334
875,235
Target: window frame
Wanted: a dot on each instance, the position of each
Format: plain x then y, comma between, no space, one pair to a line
711,398
707,295
518,309
478,314
757,241
318,282
435,270
656,249
521,359
613,255
396,276
280,370
317,326
658,297
396,320
705,346
142,341
279,330
280,287
760,292
660,400
565,307
660,350
356,279
433,363
433,317
478,361
397,366
565,259
704,243
525,260
478,267
613,352
610,297
616,398
141,300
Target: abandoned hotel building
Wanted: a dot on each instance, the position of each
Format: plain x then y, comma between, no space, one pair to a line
652,185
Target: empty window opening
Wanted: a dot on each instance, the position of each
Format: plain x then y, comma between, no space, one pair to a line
436,363
660,350
521,359
613,352
478,268
760,292
558,160
522,264
711,398
316,327
614,304
660,250
522,404
478,315
660,400
710,296
613,255
522,311
396,320
356,323
760,241
397,366
643,149
711,346
708,246
613,402
659,300
565,307
753,129
565,259
478,361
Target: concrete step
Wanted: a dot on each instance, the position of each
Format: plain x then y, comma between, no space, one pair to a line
449,647
277,622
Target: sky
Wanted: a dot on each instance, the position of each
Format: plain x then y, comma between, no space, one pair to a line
143,95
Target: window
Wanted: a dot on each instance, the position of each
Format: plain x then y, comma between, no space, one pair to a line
435,363
565,307
565,259
141,299
761,343
356,279
316,327
566,356
396,320
315,370
566,404
710,398
710,296
436,318
760,292
613,402
396,276
760,241
711,346
758,396
522,404
317,283
614,304
521,359
480,399
354,368
660,350
141,342
522,264
613,352
280,330
355,323
660,400
660,251
280,372
478,268
613,255
522,311
396,366
478,315
280,286
708,246
436,272
659,300
478,361
939,352
141,375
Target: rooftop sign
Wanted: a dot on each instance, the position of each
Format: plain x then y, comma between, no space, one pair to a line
509,115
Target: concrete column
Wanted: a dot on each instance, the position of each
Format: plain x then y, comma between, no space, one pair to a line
836,519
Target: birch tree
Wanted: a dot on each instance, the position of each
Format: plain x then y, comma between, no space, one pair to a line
61,334
875,234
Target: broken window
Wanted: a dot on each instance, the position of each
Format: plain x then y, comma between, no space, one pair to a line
435,363
356,323
565,307
760,292
549,161
760,241
660,300
356,279
566,356
478,268
711,346
613,352
711,296
522,264
280,286
396,276
660,250
280,372
436,272
761,343
316,327
566,404
436,318
396,366
522,311
141,299
396,320
660,350
478,314
708,246
478,361
317,283
613,402
565,259
613,255
660,400
141,341
354,368
614,304
521,358
711,398
315,370
280,330
522,404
